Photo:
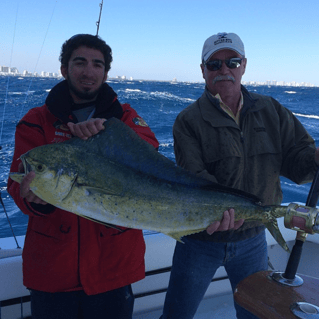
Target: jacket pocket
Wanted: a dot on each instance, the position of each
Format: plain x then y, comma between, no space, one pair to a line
262,142
52,226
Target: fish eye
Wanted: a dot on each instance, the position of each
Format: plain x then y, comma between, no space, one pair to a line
39,167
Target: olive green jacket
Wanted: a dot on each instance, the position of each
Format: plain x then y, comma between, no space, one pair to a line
269,142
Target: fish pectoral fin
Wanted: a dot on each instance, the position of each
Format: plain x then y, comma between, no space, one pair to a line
17,177
178,235
95,190
102,223
273,228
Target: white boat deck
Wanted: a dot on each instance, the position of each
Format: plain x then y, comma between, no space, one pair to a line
221,306
150,292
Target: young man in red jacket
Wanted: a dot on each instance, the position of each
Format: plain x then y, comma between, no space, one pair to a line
76,268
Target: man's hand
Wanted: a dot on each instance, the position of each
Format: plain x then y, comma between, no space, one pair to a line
86,129
25,191
227,223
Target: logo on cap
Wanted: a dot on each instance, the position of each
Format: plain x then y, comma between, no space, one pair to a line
222,38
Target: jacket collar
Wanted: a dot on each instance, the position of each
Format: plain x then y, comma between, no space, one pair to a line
249,101
59,103
212,114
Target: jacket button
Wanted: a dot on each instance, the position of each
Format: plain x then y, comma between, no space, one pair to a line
64,229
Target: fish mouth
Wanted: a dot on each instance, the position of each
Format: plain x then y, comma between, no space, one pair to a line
18,176
26,166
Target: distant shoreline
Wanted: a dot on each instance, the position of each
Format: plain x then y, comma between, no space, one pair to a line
247,83
55,76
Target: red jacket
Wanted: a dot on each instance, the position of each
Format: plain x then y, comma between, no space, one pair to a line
64,252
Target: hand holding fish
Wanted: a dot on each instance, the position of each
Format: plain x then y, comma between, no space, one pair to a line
25,191
86,129
227,223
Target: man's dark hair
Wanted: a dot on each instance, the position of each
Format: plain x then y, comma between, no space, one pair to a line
90,41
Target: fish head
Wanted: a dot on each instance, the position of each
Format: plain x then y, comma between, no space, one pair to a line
55,173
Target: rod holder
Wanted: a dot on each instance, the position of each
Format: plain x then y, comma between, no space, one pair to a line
279,277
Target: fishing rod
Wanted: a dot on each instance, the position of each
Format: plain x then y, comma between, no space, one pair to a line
4,111
310,218
98,22
295,256
14,236
7,89
5,103
36,64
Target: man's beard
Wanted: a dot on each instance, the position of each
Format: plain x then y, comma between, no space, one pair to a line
83,95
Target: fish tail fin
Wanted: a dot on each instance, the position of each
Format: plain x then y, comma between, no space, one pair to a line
278,211
273,228
270,221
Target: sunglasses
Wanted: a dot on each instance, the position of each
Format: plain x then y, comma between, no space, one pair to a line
215,65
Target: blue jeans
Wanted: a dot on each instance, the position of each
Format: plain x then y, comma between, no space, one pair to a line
114,304
194,266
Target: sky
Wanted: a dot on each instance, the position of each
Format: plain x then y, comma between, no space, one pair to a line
163,40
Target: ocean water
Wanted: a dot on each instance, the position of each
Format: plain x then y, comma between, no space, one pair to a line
157,102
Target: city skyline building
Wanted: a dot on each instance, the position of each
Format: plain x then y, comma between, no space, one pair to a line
13,71
5,70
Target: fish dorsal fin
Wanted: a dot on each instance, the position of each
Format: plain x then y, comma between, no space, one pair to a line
119,143
123,145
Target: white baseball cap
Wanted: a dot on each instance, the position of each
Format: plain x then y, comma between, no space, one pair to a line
222,41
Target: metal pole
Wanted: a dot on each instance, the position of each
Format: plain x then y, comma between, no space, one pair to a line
98,22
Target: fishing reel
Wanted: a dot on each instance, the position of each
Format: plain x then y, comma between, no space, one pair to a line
307,219
304,220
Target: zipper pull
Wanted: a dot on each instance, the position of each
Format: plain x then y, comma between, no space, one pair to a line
242,137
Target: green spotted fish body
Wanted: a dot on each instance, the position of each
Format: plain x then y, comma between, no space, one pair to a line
117,178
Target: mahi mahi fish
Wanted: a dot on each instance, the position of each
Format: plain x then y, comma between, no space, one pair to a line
117,178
